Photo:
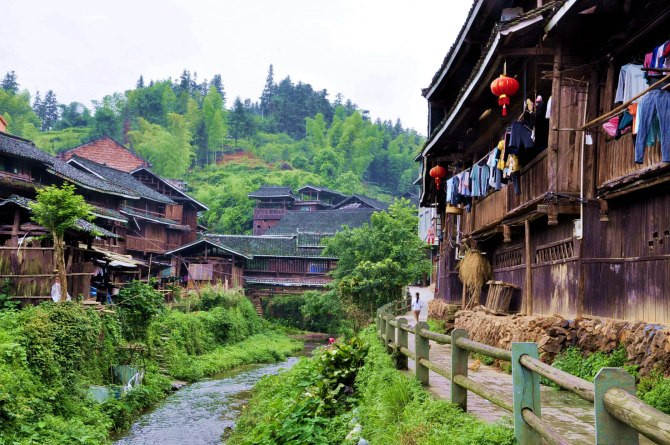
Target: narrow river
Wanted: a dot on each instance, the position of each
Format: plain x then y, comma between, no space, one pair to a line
200,413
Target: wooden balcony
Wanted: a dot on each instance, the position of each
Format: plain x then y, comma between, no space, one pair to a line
260,213
492,208
616,162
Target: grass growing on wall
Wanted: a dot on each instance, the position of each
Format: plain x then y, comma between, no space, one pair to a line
51,353
297,406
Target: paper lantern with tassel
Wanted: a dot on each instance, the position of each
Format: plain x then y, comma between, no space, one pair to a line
504,87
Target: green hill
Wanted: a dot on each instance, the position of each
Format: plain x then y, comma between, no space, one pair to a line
292,135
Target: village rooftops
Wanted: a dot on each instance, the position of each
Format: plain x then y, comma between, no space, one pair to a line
120,178
320,222
24,149
323,191
250,246
272,191
108,151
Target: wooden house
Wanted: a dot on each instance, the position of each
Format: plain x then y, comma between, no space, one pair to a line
272,203
580,227
26,258
109,152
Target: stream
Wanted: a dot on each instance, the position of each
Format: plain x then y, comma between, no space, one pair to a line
200,413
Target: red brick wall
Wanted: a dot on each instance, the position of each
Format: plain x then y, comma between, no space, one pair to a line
109,152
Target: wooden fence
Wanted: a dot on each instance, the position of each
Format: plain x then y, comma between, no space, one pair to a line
619,414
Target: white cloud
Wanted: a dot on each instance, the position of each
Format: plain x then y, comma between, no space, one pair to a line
377,53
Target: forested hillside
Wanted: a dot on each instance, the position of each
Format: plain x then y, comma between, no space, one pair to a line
188,129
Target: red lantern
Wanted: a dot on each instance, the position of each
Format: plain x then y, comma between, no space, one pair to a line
438,173
504,87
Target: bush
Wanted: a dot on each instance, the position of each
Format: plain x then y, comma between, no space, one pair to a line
655,390
586,367
138,304
312,311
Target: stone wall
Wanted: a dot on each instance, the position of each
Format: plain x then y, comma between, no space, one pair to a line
647,344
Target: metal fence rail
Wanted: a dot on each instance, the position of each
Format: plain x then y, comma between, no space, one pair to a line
619,414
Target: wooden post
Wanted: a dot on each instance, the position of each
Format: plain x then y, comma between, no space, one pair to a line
507,233
554,122
401,341
608,429
382,330
379,323
526,393
528,286
459,366
422,350
390,334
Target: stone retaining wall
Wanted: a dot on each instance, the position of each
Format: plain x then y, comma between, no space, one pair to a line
647,344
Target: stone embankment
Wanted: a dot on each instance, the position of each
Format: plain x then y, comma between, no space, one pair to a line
647,345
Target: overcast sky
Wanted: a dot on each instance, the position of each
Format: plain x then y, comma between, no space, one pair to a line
378,53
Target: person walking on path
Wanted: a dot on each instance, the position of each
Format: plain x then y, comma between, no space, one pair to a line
417,305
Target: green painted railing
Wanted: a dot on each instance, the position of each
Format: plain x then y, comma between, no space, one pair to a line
619,414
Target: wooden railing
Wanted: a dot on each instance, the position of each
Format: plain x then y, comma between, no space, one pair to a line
619,414
492,208
616,160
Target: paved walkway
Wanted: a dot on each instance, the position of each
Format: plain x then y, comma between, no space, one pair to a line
568,414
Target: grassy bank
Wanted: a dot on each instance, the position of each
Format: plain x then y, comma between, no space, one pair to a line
321,399
52,353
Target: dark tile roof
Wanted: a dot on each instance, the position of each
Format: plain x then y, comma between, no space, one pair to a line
548,9
22,148
121,179
135,213
103,212
320,221
288,282
263,245
81,224
370,202
319,188
170,183
272,191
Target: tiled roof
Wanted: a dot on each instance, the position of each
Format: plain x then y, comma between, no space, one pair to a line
22,148
263,245
109,152
272,191
547,8
135,213
81,224
121,179
102,212
370,202
319,188
170,183
320,221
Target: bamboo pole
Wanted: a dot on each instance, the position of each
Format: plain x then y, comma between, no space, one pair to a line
632,411
623,106
528,287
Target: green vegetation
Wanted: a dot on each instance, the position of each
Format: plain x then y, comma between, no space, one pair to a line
654,389
304,405
50,354
378,259
293,135
312,311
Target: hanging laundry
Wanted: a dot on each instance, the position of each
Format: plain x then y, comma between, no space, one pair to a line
475,173
653,109
611,125
484,179
625,124
520,139
492,163
514,172
632,109
631,83
548,114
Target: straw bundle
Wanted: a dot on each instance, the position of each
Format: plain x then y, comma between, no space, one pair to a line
474,271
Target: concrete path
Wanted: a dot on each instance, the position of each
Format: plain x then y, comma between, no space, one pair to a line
568,414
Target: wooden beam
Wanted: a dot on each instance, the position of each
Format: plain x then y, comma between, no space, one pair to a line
554,122
528,286
561,209
526,52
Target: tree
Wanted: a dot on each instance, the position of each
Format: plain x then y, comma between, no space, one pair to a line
51,111
9,83
240,121
169,150
377,259
268,93
140,82
218,84
58,209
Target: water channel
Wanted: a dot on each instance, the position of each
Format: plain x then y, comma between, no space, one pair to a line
203,412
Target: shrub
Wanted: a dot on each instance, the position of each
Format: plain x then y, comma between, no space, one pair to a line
655,390
574,362
312,311
138,304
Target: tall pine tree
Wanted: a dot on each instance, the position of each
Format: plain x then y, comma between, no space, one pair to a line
268,93
9,83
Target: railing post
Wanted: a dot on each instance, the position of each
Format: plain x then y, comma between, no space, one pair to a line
379,323
459,366
526,393
401,341
390,334
422,350
382,329
609,429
